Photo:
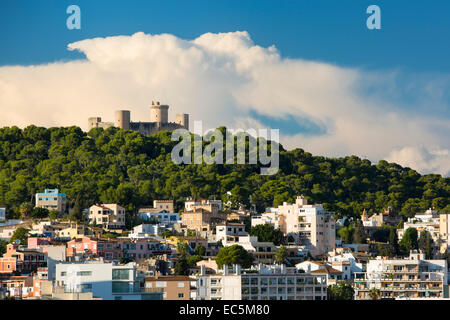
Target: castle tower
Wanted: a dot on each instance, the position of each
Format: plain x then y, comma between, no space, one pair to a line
93,122
182,119
123,119
159,113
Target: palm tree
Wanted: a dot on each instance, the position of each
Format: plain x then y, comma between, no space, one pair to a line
374,294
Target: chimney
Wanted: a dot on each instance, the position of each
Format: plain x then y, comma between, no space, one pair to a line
238,269
202,270
225,270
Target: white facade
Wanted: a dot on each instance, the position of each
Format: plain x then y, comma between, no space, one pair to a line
347,257
51,199
191,203
145,231
107,215
161,217
269,283
413,277
105,280
270,217
310,225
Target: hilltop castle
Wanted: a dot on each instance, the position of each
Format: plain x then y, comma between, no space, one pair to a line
158,121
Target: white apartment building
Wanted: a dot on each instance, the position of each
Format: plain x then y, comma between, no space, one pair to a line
413,277
350,258
273,282
270,217
105,280
309,224
109,216
145,231
51,199
230,233
159,206
429,221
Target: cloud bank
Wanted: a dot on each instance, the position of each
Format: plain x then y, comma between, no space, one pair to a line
225,79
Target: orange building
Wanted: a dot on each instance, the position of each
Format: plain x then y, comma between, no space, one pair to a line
174,287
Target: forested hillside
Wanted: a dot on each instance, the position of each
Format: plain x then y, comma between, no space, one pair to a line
116,166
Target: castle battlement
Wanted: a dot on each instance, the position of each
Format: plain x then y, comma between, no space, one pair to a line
158,121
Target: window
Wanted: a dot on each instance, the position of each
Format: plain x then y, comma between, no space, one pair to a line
118,298
161,284
84,273
181,295
86,287
180,284
63,274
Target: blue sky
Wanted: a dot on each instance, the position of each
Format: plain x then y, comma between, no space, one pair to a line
414,36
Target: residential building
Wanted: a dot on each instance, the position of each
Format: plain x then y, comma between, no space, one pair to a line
270,217
159,206
210,205
352,259
26,260
444,232
142,248
274,282
388,217
174,287
412,277
203,219
238,215
231,233
160,217
109,216
6,232
146,231
428,222
51,199
8,265
109,249
17,287
105,280
77,231
2,214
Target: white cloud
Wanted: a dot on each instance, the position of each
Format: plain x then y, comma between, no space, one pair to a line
220,78
422,159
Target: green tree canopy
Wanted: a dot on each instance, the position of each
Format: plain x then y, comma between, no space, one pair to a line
410,240
122,166
281,254
267,233
340,291
200,250
182,266
234,254
20,234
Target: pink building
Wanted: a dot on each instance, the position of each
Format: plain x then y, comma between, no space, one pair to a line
37,242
